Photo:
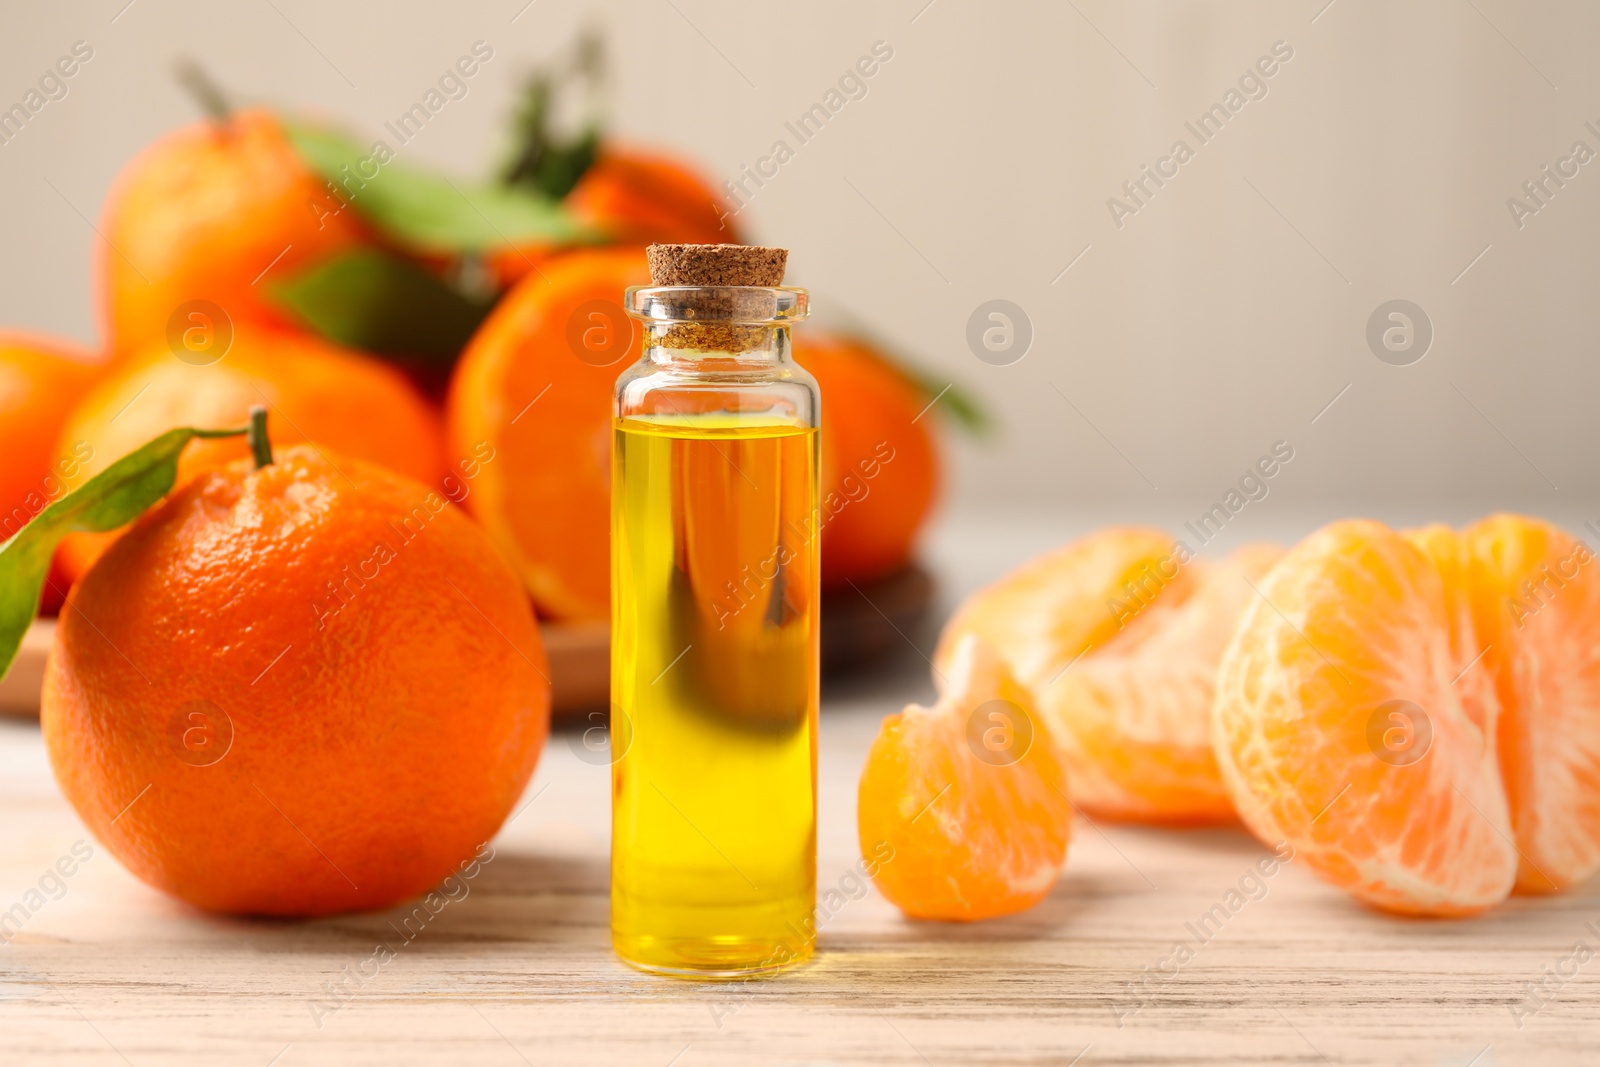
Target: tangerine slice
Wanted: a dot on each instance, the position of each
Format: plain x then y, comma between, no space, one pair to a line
1138,707
963,806
1535,595
1119,636
1347,722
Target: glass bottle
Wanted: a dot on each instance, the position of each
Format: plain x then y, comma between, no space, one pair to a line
714,636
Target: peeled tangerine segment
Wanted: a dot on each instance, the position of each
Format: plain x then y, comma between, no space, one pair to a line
1535,595
1119,636
1351,721
965,804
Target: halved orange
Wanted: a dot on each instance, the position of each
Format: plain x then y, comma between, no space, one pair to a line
534,384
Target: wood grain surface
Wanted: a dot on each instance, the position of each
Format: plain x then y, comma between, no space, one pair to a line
519,970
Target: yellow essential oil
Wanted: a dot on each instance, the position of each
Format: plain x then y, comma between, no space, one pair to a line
714,691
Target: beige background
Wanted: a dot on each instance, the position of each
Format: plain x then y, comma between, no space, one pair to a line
1222,317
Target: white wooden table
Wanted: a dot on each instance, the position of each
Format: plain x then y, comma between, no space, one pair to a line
520,970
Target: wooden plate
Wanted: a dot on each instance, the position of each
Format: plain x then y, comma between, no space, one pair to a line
860,624
19,689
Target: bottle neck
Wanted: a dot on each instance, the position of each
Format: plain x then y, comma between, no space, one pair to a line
716,327
722,345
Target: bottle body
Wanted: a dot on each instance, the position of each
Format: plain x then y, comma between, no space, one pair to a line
715,642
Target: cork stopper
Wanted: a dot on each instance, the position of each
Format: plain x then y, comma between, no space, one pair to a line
720,265
723,271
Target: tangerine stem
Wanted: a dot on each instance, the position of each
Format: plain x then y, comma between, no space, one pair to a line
206,92
260,446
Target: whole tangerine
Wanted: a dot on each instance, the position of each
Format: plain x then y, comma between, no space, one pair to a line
204,220
302,689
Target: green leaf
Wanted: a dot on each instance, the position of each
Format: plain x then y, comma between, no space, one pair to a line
429,212
556,170
541,160
382,303
114,497
962,407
